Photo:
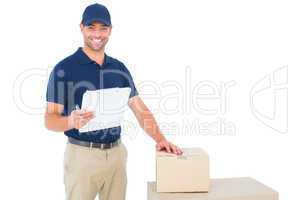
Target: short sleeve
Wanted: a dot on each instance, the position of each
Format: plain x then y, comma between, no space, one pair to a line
130,83
57,86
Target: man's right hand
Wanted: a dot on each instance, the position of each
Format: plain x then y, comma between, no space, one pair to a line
79,118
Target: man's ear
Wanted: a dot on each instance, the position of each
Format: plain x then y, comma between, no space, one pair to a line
110,30
81,26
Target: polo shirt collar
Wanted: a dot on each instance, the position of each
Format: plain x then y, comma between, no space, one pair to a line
84,59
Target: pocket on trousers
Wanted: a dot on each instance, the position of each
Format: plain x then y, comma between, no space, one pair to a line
69,157
124,151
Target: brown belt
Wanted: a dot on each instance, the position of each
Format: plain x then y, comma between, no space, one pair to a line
94,145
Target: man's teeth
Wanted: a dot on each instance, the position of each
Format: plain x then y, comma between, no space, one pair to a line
97,40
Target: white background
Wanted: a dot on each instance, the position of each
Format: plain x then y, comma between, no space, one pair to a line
246,42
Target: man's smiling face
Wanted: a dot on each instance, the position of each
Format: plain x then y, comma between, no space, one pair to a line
95,35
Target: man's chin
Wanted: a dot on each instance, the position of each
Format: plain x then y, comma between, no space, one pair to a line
97,48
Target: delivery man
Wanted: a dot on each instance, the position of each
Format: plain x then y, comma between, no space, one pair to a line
94,162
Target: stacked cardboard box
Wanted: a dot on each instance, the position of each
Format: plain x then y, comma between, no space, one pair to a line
221,189
187,177
185,173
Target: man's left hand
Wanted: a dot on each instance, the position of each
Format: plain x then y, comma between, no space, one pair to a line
168,147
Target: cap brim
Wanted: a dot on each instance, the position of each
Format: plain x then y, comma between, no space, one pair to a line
90,21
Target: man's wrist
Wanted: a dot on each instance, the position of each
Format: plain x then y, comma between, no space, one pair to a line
70,122
160,138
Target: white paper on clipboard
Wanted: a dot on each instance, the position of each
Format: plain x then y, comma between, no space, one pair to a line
108,106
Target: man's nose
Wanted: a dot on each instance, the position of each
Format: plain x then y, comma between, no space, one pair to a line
96,33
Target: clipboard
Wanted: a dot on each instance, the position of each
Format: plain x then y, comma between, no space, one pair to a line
108,106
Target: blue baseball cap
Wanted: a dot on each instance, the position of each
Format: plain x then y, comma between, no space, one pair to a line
96,13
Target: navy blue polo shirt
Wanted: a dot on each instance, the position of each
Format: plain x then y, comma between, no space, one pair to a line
76,74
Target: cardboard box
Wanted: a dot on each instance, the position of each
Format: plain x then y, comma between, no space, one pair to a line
184,173
221,189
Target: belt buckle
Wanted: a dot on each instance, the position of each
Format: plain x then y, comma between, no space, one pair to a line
107,146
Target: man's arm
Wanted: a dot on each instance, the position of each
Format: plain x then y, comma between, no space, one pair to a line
149,124
56,122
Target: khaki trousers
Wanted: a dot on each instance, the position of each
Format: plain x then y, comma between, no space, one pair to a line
92,171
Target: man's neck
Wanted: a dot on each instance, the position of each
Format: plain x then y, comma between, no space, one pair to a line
97,56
